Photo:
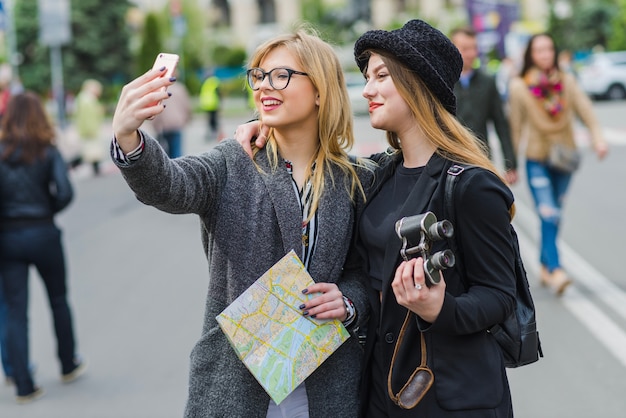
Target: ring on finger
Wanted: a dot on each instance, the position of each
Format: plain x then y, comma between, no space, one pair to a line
418,286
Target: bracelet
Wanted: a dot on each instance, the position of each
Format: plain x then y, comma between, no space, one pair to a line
350,310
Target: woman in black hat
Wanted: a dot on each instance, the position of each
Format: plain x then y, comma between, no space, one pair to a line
410,74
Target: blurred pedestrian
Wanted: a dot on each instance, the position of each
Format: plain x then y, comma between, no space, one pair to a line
5,94
211,103
6,79
170,123
506,70
478,101
544,102
566,62
88,117
34,187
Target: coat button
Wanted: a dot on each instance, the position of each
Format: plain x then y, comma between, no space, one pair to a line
389,338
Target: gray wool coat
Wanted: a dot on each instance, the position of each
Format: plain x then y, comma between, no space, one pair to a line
249,221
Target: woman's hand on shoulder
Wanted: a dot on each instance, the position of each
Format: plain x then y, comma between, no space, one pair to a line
139,100
411,291
251,131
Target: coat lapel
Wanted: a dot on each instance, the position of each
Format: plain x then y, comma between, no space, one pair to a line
334,218
286,206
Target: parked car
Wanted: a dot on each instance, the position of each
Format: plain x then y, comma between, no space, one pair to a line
603,75
355,83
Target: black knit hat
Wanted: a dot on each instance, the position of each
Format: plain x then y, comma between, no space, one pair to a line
424,50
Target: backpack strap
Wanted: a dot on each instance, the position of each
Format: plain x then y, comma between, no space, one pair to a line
450,211
448,200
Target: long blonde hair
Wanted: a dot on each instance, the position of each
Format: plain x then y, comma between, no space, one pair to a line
452,139
334,115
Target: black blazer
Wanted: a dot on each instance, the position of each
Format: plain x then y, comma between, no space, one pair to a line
470,378
479,104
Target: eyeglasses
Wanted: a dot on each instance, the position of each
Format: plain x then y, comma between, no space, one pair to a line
279,77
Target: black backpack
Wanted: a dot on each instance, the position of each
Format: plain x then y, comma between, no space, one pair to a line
517,335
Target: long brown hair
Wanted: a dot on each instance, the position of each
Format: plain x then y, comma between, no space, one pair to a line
25,127
528,53
452,139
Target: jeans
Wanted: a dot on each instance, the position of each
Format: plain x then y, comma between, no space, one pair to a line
174,143
4,353
548,187
40,246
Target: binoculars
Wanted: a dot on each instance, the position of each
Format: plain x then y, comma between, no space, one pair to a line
418,233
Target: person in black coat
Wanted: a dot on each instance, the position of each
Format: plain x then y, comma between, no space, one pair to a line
479,103
34,187
410,75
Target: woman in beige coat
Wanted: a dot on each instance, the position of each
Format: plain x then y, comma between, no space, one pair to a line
543,104
89,116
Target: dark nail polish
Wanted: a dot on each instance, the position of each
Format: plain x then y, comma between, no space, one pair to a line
305,313
172,79
313,316
305,291
302,306
162,68
169,94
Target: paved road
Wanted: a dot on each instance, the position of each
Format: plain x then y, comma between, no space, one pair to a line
138,283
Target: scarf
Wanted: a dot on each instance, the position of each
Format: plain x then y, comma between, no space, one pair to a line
547,88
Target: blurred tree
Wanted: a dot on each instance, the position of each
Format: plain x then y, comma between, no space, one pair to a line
99,46
224,56
151,44
34,70
313,10
193,42
617,41
588,26
178,27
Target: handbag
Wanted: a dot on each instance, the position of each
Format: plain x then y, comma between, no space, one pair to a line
420,380
563,158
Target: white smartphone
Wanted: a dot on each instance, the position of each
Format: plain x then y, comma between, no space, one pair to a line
169,61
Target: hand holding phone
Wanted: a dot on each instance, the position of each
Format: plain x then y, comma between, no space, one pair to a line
169,61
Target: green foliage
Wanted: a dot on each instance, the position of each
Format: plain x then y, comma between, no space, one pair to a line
589,25
225,56
151,44
234,87
312,10
617,40
160,34
34,70
98,48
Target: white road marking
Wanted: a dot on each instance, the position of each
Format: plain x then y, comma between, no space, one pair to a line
599,324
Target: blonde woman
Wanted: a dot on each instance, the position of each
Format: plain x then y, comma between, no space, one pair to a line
298,193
